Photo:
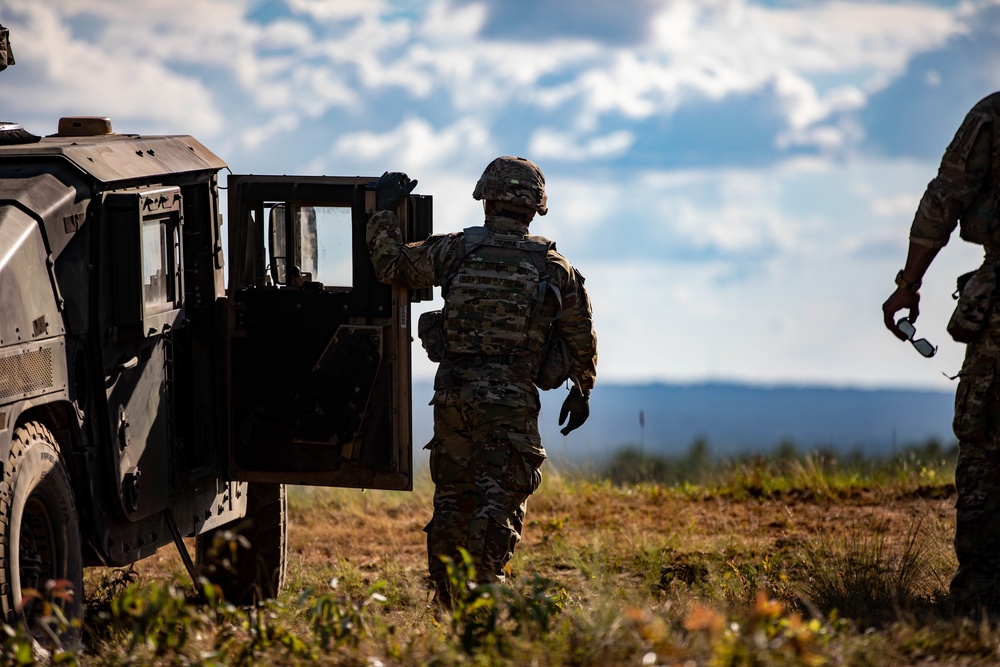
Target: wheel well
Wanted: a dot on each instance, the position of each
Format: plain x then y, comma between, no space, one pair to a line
60,418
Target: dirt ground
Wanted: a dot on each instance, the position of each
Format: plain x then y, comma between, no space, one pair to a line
382,541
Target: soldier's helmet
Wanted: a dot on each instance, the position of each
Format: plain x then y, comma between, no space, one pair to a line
517,182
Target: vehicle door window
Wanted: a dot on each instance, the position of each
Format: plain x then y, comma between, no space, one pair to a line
159,267
322,250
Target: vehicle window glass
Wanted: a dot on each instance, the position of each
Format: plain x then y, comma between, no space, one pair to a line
324,249
158,272
279,252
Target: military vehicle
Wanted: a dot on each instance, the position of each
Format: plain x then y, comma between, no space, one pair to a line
143,399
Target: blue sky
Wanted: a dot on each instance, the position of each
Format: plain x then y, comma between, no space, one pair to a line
735,179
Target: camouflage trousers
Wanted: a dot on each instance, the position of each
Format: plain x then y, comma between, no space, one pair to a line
485,461
977,475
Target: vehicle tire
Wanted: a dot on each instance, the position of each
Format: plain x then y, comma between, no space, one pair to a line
39,535
247,559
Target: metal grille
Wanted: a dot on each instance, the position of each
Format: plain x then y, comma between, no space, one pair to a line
26,373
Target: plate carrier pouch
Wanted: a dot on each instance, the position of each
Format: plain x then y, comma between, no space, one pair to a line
495,301
975,294
556,365
430,331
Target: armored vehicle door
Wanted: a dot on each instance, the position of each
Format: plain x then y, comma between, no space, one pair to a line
318,350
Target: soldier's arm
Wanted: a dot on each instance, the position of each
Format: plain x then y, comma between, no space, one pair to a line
959,180
576,327
414,265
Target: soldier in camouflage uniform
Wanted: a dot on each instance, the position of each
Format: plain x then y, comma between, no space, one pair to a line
966,192
508,296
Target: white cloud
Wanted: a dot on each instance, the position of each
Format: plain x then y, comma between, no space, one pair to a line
448,22
577,208
329,54
843,36
547,143
255,136
708,50
811,308
337,10
77,77
895,206
315,90
773,272
415,145
209,32
733,212
488,76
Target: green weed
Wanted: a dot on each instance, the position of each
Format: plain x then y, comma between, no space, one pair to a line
482,615
54,638
337,620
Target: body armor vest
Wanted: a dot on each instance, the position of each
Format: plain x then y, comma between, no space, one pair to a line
980,222
495,301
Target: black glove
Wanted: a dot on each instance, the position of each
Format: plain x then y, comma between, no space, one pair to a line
392,189
577,407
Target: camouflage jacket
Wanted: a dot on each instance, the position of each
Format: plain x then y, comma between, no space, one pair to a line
967,185
431,262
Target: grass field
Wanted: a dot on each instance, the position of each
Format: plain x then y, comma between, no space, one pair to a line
779,561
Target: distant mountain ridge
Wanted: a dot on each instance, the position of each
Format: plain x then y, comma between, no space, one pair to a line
734,418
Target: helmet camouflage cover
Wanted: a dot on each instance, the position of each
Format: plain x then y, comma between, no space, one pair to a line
514,180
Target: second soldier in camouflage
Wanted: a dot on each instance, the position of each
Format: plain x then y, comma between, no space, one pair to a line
509,299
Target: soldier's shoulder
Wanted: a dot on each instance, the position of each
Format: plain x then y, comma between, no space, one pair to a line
989,104
559,265
449,237
992,98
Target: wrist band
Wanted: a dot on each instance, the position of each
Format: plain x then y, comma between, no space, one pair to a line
905,284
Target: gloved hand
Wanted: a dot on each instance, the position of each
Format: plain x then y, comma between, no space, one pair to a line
391,189
577,407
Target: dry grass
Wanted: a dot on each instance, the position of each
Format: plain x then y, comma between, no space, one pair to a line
810,571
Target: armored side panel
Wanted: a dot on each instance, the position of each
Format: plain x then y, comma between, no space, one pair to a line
33,366
111,322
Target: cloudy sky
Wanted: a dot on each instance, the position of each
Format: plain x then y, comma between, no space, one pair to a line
735,178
